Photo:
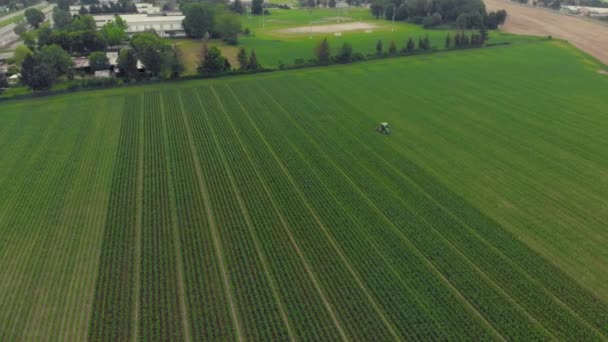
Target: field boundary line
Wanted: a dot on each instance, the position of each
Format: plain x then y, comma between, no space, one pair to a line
345,260
395,228
138,220
212,224
248,221
285,225
175,226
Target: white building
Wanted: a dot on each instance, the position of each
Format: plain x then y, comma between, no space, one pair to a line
146,8
165,26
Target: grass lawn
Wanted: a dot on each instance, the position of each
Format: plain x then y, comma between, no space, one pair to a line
191,53
11,20
267,207
273,45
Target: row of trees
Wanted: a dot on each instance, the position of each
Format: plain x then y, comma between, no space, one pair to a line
79,34
204,20
464,14
213,62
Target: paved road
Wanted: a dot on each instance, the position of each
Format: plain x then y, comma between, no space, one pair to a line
587,35
8,37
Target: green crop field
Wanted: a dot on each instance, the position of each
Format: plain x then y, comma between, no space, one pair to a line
267,207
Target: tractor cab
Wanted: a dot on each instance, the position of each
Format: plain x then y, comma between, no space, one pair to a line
384,128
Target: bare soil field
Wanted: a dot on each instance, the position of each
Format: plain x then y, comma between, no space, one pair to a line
329,28
586,35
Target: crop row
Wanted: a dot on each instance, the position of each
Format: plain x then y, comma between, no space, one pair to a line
207,305
160,316
527,294
303,309
512,258
353,230
113,302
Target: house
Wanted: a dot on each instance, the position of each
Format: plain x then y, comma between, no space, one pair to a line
164,25
146,8
586,11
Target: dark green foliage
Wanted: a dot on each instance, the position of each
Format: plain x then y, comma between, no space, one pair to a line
242,58
345,55
323,53
98,61
237,7
199,20
253,63
127,63
448,41
61,18
410,46
34,17
212,61
392,48
379,47
332,3
257,6
3,80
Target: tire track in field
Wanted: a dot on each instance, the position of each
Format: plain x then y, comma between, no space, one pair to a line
176,240
212,224
389,325
249,223
433,268
138,220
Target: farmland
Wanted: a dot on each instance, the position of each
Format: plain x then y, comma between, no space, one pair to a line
267,207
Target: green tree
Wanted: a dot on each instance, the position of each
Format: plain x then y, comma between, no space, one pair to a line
198,20
392,48
127,63
323,53
228,26
34,17
55,57
172,66
237,7
379,47
253,63
345,55
332,3
3,80
98,61
20,28
61,19
20,53
212,61
114,31
242,58
448,41
410,45
257,6
43,77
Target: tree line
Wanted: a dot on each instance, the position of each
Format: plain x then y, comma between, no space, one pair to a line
464,14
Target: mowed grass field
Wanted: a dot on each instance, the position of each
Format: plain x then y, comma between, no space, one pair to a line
266,207
274,45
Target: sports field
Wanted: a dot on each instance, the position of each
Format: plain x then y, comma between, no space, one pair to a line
267,207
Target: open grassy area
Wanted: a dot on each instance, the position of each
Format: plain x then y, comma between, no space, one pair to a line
11,20
273,45
267,207
191,53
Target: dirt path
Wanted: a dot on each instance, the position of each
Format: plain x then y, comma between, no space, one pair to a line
584,34
330,28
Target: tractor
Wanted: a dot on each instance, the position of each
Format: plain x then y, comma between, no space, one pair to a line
384,128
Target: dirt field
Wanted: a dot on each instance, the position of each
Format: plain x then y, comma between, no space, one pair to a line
329,28
586,35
